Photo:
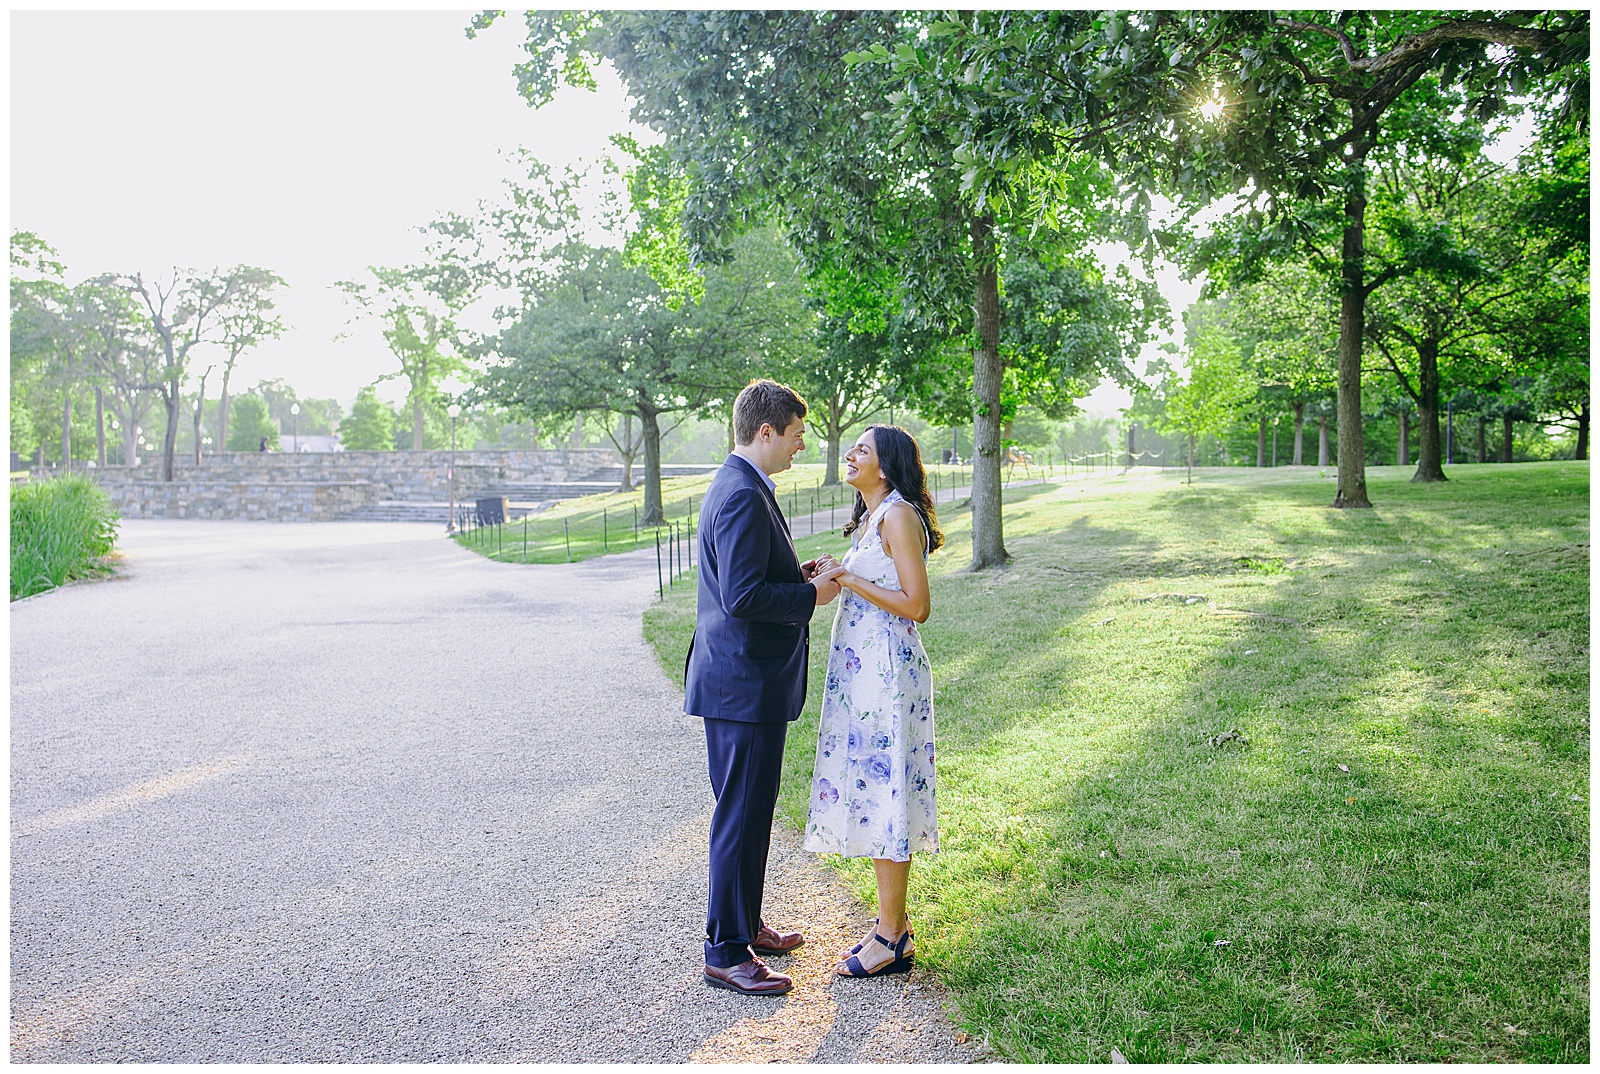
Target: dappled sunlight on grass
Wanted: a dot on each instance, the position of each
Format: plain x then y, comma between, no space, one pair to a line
1391,864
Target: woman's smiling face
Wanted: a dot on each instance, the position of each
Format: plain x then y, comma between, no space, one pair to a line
861,464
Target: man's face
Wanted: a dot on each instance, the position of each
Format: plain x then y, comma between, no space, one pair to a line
779,449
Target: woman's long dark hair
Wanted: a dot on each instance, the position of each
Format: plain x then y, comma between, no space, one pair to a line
900,462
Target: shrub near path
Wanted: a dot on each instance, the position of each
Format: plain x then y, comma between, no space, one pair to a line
1391,860
61,530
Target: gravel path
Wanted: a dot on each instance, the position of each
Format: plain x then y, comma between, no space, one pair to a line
346,792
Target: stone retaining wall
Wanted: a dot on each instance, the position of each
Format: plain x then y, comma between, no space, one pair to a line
319,487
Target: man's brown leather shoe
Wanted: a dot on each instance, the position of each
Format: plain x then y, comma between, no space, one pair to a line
769,941
750,978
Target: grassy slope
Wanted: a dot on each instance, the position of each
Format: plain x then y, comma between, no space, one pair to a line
1430,903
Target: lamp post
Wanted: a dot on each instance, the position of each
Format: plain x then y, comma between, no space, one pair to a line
294,409
455,412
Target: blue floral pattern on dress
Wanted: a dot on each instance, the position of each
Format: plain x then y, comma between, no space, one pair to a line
877,701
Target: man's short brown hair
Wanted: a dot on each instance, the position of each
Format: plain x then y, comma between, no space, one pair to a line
764,402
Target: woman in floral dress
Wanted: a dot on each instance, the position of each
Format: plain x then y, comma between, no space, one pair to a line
872,794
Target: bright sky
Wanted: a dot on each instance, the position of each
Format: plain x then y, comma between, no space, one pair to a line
312,144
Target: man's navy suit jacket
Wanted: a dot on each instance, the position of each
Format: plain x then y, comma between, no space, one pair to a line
748,659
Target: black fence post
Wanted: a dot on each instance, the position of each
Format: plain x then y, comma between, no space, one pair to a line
661,590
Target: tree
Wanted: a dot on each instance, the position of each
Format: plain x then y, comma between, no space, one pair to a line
769,115
47,349
246,322
596,332
371,424
251,424
419,307
1292,317
1284,110
1544,329
184,312
120,356
1216,387
845,376
599,335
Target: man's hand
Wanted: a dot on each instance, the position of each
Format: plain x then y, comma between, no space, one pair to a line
808,570
827,584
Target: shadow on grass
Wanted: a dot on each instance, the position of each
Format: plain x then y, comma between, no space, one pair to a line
1110,878
1114,879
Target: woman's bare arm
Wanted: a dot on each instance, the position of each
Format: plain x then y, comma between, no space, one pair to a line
903,541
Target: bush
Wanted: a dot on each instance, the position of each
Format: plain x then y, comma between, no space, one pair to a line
249,423
370,426
60,530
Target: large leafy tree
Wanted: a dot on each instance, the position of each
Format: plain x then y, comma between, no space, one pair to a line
774,112
186,310
250,320
420,308
1436,322
861,338
599,335
1216,387
1283,108
1544,329
1292,317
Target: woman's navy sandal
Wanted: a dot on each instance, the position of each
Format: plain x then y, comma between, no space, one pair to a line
855,949
901,963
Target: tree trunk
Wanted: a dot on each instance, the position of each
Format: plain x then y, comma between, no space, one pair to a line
1131,427
1299,431
66,430
1582,451
1261,441
988,544
416,424
833,433
99,427
577,431
654,514
1483,451
1402,443
222,410
199,411
1430,457
627,456
1505,438
1352,490
1322,440
130,443
169,442
1189,479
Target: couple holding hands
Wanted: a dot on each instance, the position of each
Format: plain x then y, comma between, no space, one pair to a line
872,793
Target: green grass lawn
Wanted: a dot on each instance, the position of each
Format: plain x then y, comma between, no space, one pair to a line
1392,864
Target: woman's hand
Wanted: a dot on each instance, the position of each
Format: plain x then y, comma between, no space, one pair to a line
815,568
827,572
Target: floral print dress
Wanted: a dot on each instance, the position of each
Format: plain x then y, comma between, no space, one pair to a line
872,793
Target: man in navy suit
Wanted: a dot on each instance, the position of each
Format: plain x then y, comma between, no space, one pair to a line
746,675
